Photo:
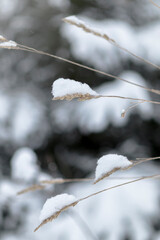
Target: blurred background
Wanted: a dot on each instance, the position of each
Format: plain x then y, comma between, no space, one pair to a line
43,139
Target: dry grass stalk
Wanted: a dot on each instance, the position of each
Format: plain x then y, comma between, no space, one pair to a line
43,183
79,96
124,111
134,163
78,23
54,216
155,4
108,174
29,49
31,188
59,180
83,97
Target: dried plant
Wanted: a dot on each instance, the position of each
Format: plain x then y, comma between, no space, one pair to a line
8,44
55,215
85,27
155,4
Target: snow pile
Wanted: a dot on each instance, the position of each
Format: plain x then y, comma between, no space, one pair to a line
62,87
110,163
56,204
24,165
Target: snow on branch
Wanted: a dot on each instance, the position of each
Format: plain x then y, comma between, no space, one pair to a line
68,89
109,164
5,43
54,206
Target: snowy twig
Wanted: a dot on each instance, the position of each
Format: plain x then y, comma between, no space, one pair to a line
43,183
155,4
74,203
78,23
67,89
29,49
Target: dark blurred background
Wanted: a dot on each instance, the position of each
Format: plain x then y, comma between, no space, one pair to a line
69,137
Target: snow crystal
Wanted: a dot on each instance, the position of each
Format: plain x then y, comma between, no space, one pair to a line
108,163
62,87
8,44
55,204
24,165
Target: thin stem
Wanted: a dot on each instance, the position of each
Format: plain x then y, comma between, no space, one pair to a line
119,185
29,49
97,33
154,4
128,98
129,108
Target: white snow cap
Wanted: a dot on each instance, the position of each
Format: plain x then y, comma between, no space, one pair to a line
24,165
8,44
55,204
62,87
108,163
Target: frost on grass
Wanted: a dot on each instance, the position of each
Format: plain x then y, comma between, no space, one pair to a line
68,89
109,164
54,206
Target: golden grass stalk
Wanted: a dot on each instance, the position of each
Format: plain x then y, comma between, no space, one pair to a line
54,216
134,163
29,49
80,24
124,111
155,4
31,188
84,97
43,183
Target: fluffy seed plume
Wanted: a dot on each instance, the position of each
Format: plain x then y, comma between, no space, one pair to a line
109,164
69,89
54,206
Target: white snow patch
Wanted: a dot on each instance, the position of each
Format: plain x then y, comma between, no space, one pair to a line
24,165
109,162
62,87
8,44
55,204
